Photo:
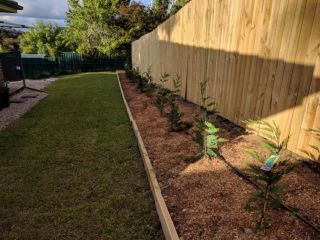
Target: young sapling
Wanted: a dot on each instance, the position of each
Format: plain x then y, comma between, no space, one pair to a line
206,133
148,82
268,172
161,98
174,114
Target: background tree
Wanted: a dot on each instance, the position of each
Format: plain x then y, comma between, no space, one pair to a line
8,39
110,26
177,5
43,39
107,26
160,10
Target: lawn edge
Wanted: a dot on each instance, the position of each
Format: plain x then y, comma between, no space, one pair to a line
167,225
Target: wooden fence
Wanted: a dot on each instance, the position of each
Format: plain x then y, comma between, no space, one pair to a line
261,59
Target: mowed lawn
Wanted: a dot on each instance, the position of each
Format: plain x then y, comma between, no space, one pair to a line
70,168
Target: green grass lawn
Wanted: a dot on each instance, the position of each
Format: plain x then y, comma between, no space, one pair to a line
70,168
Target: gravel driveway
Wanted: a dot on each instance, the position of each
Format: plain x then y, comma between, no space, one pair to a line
17,110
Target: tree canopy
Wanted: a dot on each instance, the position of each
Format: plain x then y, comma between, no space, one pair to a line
9,39
99,27
177,5
107,26
43,39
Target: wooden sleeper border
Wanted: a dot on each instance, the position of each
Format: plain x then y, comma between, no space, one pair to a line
167,225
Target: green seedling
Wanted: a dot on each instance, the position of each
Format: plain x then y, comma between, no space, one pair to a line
267,172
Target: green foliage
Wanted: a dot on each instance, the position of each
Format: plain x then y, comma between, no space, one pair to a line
107,26
164,78
272,132
148,82
164,96
176,88
206,102
161,97
175,118
156,4
110,26
9,39
177,5
132,73
314,149
143,81
171,97
206,134
207,137
160,10
261,202
212,141
43,39
267,172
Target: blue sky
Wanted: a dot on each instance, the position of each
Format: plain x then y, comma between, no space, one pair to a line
45,10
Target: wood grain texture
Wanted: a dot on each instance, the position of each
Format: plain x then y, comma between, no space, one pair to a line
260,58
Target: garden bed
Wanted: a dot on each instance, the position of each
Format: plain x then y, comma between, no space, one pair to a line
206,199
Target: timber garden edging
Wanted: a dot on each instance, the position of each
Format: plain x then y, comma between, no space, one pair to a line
167,225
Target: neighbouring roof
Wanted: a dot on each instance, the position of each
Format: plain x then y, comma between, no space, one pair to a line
33,55
9,6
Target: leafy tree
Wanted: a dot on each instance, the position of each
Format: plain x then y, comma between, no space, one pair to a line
177,5
106,26
160,10
43,39
110,26
9,39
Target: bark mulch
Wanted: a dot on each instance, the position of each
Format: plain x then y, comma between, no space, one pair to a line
206,199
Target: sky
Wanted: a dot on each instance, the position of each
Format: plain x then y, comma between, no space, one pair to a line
45,10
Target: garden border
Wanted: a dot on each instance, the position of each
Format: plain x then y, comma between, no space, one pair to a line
167,225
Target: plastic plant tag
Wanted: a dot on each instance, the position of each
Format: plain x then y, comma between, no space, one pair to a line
268,165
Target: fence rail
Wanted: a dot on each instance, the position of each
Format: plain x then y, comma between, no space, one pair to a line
261,60
69,63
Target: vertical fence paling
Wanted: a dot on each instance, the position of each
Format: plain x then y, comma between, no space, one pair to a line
260,58
69,62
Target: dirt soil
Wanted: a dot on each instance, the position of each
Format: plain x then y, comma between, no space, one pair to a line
206,199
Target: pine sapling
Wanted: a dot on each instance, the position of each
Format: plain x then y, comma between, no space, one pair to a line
141,82
261,202
206,102
175,118
161,98
148,84
206,133
128,71
268,172
314,150
133,74
174,114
